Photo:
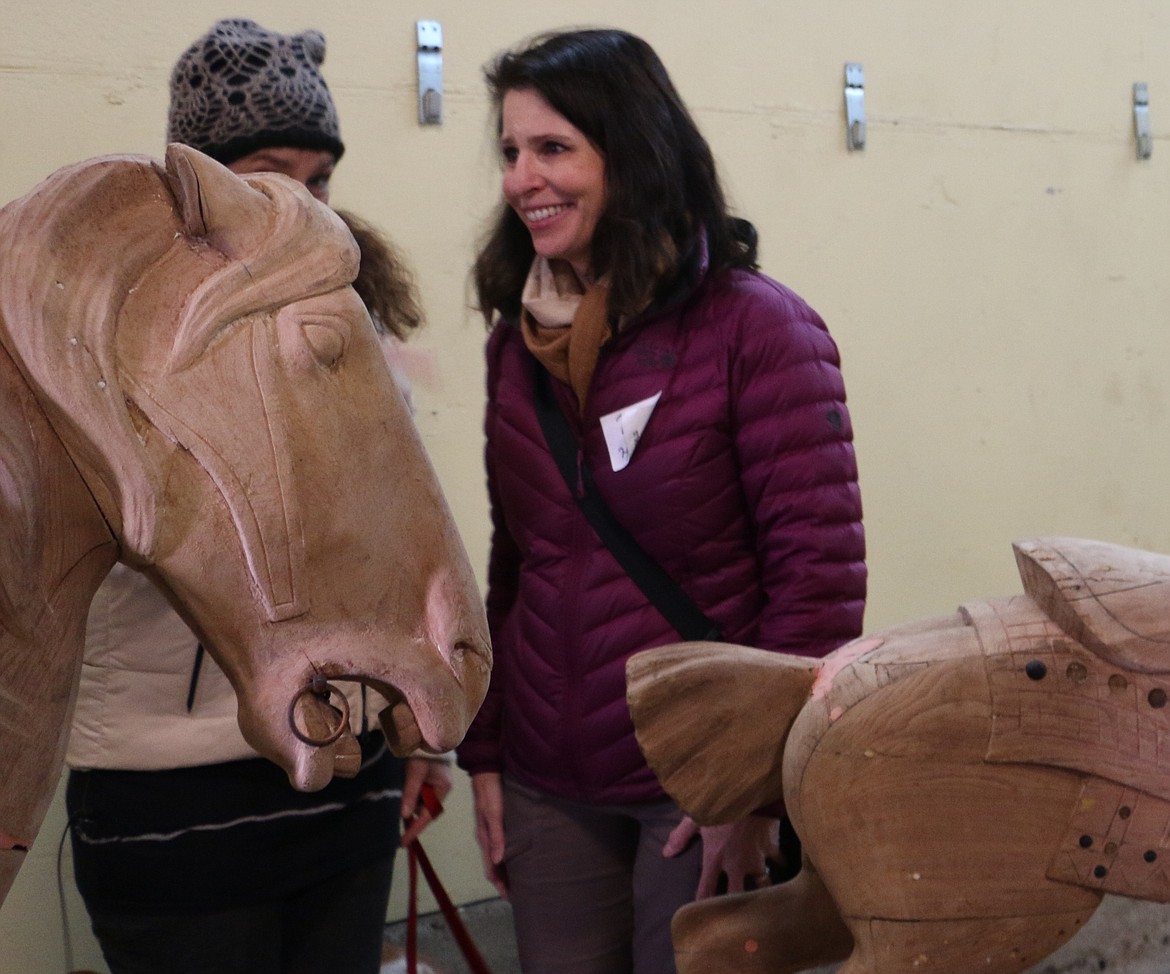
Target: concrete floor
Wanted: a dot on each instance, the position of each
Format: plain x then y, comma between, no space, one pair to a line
1123,937
490,925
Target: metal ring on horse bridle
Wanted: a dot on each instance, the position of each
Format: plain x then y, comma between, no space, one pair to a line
319,687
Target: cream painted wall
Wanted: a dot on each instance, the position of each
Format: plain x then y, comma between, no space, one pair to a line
993,265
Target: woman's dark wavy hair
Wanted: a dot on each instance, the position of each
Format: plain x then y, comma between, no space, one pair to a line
384,281
663,192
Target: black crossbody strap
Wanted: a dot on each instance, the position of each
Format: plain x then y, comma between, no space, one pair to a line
664,592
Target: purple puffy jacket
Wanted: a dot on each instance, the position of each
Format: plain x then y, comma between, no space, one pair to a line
743,486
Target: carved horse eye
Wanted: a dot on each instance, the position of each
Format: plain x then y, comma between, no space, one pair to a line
325,342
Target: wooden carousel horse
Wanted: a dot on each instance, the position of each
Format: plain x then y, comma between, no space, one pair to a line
189,384
967,787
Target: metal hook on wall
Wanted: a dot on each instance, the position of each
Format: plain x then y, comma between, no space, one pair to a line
1141,120
854,106
430,72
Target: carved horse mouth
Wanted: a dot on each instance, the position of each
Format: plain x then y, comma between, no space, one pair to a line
299,717
401,726
426,679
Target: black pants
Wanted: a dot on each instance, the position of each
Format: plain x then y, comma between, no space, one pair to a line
335,927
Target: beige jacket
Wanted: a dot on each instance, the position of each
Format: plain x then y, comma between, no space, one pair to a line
131,711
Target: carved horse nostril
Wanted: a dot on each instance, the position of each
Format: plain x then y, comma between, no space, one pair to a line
319,687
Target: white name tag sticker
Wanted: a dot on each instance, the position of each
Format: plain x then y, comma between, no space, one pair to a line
623,429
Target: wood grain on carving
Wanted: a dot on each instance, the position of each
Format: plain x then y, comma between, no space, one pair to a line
967,787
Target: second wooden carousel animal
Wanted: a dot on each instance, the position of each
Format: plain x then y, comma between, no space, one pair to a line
967,787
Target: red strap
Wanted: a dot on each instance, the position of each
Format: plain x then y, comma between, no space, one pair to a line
430,801
412,915
417,858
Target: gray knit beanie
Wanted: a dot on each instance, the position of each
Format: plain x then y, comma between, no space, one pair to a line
241,88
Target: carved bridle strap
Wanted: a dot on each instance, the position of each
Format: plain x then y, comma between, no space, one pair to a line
243,471
181,391
281,537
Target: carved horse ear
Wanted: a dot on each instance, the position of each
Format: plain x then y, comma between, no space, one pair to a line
215,204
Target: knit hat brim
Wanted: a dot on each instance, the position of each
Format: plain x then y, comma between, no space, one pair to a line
293,138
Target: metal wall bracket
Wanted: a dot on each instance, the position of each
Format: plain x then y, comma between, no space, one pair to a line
430,72
854,106
1141,120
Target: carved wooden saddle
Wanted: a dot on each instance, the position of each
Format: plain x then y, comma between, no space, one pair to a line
1091,697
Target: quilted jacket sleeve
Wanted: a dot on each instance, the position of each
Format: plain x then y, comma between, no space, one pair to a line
480,750
799,475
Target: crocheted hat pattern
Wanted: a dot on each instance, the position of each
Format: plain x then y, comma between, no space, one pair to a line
241,88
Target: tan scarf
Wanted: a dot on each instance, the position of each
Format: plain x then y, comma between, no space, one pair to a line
564,322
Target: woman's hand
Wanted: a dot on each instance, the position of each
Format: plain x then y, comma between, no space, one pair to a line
738,850
420,771
488,790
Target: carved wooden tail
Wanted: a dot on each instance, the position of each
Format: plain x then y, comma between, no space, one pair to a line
712,720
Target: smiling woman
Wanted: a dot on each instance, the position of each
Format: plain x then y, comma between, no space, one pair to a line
554,178
706,409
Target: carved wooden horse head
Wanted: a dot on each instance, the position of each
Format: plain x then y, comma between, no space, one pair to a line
188,384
